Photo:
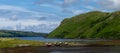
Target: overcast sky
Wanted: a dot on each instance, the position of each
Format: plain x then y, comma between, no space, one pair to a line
46,15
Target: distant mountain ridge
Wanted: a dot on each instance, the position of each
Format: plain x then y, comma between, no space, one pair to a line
95,24
11,33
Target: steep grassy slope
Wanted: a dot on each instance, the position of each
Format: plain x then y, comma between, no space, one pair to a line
90,25
10,33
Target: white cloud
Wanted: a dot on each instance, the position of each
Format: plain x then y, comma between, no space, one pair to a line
69,1
90,0
45,5
14,17
90,7
14,8
56,4
101,5
22,24
21,9
78,11
20,18
109,4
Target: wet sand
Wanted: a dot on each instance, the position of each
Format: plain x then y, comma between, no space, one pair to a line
67,49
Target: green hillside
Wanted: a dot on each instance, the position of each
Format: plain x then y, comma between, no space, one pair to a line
10,33
98,25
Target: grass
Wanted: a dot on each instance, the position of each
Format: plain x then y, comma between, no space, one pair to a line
11,42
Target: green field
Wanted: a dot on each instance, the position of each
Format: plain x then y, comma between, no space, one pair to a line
11,42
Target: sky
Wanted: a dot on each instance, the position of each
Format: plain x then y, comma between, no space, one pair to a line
46,15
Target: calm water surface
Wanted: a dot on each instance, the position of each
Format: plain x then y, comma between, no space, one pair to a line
54,39
63,50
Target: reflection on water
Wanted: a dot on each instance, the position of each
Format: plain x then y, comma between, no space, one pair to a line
56,52
63,50
90,50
